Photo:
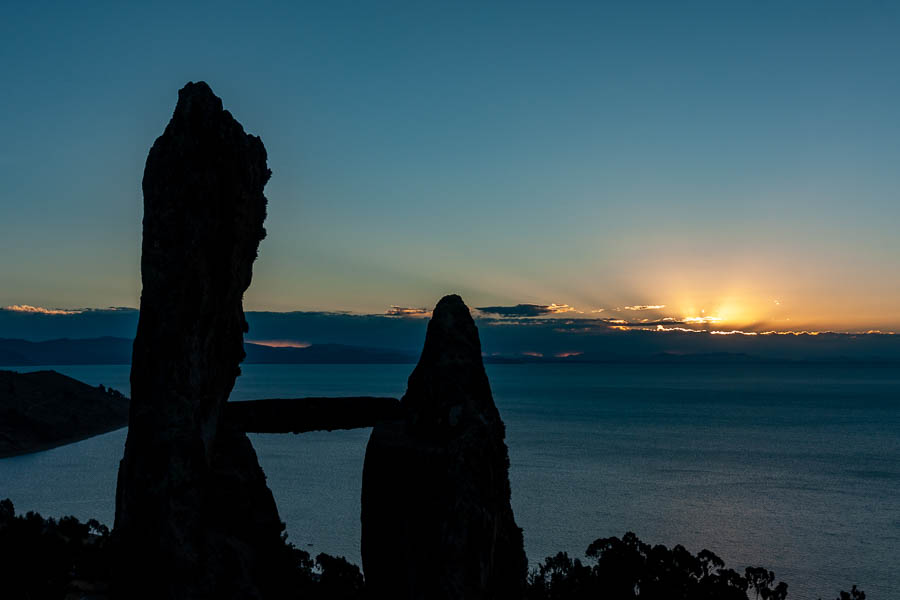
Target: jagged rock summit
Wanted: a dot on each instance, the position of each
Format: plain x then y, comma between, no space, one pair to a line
194,518
436,516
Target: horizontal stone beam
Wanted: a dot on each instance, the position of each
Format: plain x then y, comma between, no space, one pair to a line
298,415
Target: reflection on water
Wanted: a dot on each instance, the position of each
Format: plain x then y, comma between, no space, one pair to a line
794,468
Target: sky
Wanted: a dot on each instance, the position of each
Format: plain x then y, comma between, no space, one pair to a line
728,161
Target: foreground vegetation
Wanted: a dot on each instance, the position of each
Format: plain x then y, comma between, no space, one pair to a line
54,559
628,568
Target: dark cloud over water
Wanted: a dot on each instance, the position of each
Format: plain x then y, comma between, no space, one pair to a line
526,310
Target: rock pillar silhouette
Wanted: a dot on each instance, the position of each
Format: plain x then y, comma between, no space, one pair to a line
194,518
436,515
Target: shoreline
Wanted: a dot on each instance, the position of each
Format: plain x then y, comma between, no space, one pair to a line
61,442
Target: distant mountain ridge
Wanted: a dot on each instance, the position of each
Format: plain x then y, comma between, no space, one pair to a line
92,351
117,351
325,354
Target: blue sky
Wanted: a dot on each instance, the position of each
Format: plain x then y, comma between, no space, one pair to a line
727,158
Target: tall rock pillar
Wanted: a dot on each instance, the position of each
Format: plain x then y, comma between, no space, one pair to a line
436,516
194,518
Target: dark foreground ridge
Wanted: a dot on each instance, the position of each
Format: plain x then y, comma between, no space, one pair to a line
46,409
53,560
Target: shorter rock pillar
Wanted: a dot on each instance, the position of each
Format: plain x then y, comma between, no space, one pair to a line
436,515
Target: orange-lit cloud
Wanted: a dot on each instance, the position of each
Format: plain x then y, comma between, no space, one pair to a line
405,311
734,332
561,308
281,343
645,307
27,308
681,329
701,320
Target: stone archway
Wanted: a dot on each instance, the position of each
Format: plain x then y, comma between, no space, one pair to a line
194,517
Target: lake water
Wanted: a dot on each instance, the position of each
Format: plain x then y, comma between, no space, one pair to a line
796,468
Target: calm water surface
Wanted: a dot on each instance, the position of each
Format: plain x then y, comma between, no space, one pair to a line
793,468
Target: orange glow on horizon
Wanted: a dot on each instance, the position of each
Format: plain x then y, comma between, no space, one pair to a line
280,343
700,320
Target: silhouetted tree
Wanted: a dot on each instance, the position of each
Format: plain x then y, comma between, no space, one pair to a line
629,568
339,579
48,559
762,581
853,594
44,558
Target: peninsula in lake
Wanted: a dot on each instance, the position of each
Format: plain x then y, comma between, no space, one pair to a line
45,409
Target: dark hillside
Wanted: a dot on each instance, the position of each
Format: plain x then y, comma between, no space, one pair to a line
46,409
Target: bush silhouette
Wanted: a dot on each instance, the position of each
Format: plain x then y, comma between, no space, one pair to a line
853,594
628,568
618,569
45,559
